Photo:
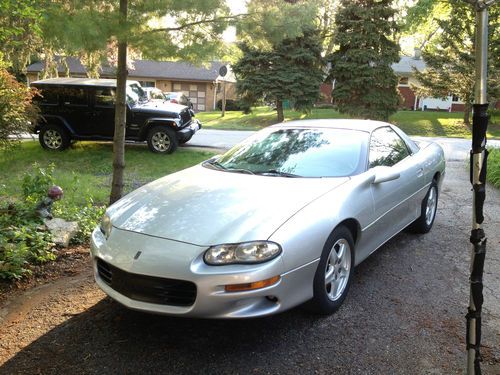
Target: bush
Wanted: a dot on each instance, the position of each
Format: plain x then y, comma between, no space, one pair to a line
233,105
17,112
24,239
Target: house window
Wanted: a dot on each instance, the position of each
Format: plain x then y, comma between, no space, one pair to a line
147,83
403,80
177,87
455,98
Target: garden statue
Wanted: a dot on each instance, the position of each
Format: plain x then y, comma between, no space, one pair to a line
44,208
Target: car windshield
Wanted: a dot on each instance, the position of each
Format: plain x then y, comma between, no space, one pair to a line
298,152
135,94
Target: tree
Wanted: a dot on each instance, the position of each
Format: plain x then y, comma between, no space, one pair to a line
365,84
450,57
16,110
290,70
159,29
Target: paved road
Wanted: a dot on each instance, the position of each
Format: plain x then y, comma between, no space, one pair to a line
404,315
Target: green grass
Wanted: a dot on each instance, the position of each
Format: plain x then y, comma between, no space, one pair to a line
435,124
84,171
493,174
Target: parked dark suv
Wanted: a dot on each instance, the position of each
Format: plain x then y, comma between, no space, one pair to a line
84,109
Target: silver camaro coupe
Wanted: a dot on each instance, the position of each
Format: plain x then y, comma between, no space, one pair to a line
278,220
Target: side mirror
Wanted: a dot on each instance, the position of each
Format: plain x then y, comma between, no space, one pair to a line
384,174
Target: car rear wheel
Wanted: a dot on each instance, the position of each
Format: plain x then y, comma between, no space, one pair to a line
334,273
53,137
427,212
162,140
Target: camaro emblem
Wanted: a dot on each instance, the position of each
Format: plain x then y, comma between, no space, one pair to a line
137,255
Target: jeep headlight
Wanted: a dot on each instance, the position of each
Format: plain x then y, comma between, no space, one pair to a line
106,226
242,253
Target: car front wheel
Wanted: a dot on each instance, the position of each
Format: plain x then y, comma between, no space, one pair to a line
334,273
162,140
53,137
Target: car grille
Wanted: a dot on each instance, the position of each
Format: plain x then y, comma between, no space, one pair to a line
185,116
147,288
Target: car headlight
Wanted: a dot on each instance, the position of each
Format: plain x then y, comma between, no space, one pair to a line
106,226
242,253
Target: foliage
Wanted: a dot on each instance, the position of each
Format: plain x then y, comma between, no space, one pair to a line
16,109
20,31
493,174
23,240
291,70
87,217
233,105
365,84
35,185
450,57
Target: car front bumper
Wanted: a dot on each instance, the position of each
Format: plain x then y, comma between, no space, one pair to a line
177,260
187,132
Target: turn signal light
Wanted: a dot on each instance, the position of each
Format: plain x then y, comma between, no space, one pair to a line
252,286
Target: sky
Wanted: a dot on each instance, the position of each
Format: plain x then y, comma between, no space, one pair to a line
237,7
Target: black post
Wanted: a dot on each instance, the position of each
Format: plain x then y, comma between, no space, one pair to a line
478,162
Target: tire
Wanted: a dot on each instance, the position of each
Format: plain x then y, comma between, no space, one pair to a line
162,140
427,211
334,273
54,138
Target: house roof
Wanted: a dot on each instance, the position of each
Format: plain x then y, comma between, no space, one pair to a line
79,82
144,69
406,64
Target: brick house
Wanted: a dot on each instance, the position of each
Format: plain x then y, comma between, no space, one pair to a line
202,84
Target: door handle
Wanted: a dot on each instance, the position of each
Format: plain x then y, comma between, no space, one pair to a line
420,172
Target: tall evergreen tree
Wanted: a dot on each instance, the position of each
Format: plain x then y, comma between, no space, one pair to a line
365,84
290,70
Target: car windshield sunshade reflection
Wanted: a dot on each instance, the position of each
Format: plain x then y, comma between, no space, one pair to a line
298,153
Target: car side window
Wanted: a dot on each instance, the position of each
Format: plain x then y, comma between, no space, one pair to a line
386,148
48,96
105,97
74,96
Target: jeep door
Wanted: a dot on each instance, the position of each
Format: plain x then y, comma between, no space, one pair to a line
76,110
104,99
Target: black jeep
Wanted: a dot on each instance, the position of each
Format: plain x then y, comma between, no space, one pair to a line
84,109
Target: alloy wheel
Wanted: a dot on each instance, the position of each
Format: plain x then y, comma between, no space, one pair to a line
337,269
160,141
430,209
53,139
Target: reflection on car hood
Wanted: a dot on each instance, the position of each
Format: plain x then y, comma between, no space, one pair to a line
207,207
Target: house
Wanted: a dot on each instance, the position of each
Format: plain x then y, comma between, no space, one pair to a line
202,84
405,71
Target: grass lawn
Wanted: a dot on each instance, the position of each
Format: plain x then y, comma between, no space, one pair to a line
493,174
84,170
436,124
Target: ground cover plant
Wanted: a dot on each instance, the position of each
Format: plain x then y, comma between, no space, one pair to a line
84,173
431,124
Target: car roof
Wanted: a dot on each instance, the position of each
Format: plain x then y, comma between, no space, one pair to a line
350,124
79,82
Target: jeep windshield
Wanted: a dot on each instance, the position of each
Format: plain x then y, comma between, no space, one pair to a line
135,94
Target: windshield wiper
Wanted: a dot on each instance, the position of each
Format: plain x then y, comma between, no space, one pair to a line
216,164
275,172
219,166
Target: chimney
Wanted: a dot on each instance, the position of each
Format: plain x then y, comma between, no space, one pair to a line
417,53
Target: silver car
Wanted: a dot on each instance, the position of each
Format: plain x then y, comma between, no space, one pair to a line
278,220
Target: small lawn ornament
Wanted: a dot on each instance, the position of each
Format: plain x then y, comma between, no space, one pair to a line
44,208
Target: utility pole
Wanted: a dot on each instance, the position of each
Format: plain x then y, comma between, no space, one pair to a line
478,160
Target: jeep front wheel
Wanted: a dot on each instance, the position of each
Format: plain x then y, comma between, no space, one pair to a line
53,137
162,140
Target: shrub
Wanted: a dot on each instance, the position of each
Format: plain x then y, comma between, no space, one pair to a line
17,112
493,174
233,105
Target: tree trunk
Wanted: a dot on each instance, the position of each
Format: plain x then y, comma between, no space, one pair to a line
279,110
467,110
120,113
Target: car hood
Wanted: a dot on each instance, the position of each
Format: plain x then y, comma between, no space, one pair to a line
205,207
159,108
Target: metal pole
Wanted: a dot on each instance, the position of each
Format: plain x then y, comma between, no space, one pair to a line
478,161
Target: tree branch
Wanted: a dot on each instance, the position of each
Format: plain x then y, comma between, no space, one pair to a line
203,21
